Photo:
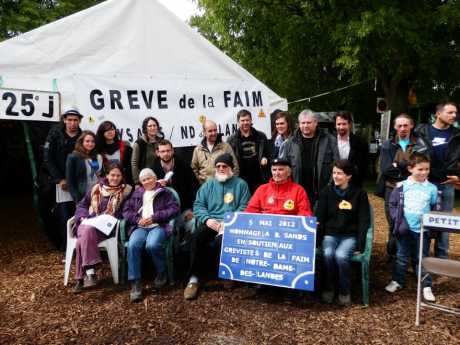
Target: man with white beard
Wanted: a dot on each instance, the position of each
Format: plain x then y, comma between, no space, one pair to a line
223,193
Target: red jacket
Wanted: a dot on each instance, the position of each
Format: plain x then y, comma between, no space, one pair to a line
285,198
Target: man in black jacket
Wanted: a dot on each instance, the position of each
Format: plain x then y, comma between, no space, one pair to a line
443,147
251,150
60,142
311,152
352,147
394,154
183,179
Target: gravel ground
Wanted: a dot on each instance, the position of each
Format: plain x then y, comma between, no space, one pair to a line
35,307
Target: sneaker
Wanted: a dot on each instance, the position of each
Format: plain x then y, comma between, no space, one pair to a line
78,287
136,291
90,281
344,300
160,280
191,291
428,294
327,296
393,287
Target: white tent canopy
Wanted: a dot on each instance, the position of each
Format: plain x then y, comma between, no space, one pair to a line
123,60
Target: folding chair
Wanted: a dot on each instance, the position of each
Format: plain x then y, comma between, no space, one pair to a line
110,245
436,221
364,259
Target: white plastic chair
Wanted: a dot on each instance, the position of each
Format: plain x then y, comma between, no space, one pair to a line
110,245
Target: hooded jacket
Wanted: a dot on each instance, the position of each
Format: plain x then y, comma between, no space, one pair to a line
280,198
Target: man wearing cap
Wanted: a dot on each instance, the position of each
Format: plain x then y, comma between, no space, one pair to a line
280,195
60,142
222,193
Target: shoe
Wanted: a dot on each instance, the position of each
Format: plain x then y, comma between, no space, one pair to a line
344,300
90,281
428,294
136,292
327,296
78,287
160,280
191,291
393,287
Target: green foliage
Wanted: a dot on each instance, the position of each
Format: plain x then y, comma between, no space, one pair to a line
19,16
302,48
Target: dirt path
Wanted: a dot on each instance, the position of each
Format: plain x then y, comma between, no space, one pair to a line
35,307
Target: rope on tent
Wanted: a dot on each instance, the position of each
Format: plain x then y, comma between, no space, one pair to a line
330,92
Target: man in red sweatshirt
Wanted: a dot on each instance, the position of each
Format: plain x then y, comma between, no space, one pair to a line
280,195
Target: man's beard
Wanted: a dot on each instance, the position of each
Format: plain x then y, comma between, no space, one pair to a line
223,177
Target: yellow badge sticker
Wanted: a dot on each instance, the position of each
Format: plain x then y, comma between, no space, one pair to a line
261,113
289,204
202,119
345,205
228,198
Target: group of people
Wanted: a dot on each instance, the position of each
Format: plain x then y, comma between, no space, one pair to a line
303,172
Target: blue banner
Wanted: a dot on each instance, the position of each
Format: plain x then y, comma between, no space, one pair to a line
269,249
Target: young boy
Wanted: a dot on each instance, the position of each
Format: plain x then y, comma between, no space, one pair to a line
419,197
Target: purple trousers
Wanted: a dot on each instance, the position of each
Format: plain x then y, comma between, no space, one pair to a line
88,253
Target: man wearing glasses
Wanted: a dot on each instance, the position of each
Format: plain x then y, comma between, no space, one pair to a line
222,193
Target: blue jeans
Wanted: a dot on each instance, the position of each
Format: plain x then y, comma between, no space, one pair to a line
153,240
408,246
337,252
441,246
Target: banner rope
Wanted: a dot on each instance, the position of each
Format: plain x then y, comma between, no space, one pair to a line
330,92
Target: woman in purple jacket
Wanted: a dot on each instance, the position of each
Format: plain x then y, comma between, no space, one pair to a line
148,212
105,197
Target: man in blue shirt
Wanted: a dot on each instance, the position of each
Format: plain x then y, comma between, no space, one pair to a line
443,147
394,154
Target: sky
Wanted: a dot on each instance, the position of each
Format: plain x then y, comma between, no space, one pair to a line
184,9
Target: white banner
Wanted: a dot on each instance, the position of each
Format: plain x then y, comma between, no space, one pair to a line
181,106
29,105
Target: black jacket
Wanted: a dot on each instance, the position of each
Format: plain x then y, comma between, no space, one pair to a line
359,156
440,170
335,217
183,181
262,146
57,147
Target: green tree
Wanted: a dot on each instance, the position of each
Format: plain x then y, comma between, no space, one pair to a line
302,48
19,16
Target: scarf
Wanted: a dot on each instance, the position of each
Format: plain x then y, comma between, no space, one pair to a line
341,192
115,194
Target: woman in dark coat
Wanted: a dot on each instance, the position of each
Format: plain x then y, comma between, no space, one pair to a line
105,197
343,219
114,150
148,212
83,166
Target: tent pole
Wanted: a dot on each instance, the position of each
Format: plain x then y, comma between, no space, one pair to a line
33,168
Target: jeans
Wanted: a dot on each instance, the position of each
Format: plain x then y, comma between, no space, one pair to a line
63,212
337,251
441,246
153,240
408,246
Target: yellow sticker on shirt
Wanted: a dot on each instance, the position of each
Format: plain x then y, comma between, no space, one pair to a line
228,198
345,205
289,204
